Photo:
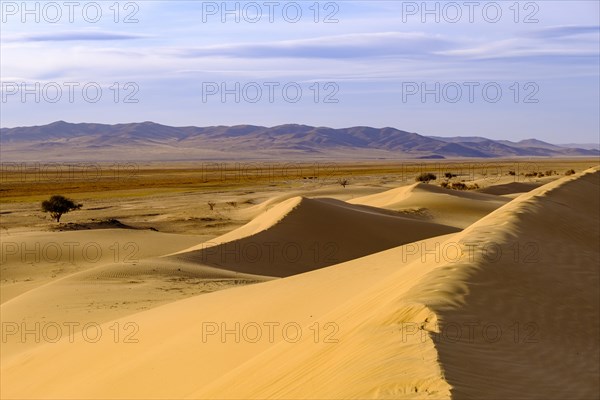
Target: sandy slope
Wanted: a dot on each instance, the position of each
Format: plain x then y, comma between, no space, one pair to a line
443,206
32,259
550,288
510,188
300,235
55,276
173,335
387,322
124,280
524,325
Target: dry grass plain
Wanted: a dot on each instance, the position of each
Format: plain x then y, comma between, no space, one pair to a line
384,288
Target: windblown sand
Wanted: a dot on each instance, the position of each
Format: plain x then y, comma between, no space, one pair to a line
413,292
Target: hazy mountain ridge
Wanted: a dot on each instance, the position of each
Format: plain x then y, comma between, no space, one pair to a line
59,139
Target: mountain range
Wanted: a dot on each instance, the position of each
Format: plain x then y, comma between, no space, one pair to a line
151,141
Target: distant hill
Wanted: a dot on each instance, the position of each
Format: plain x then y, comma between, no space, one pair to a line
151,141
587,146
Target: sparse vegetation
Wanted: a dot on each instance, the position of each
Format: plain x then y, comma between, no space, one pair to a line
570,172
450,175
426,177
58,205
211,205
344,182
538,174
29,185
512,173
419,212
233,204
459,186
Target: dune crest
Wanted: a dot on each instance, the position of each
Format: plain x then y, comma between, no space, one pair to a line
528,313
302,234
269,217
444,206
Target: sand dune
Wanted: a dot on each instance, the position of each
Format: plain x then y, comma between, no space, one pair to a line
107,289
69,277
33,259
510,188
277,208
521,326
543,293
382,326
443,206
300,235
175,333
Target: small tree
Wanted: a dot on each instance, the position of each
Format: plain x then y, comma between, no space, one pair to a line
343,182
211,205
58,205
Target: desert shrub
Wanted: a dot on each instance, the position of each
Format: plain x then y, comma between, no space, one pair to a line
513,173
233,204
570,172
531,174
459,186
450,175
426,177
211,205
344,182
551,172
540,174
58,205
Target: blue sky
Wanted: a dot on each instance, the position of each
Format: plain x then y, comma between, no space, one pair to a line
505,70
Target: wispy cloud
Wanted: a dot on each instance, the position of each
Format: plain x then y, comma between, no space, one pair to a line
73,36
555,32
554,44
541,43
340,46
